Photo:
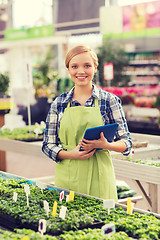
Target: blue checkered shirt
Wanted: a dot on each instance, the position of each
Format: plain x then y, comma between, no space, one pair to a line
111,111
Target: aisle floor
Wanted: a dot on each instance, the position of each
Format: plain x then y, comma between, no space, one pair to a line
34,167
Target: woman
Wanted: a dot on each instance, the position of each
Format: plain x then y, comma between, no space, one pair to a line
90,172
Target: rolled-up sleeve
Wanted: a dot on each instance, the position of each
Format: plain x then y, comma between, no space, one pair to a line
51,144
117,115
112,112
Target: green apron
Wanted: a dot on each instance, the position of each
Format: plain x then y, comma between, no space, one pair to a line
93,176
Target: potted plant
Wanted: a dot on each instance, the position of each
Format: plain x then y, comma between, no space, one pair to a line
4,97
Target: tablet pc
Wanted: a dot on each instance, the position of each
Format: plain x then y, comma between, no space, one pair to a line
109,132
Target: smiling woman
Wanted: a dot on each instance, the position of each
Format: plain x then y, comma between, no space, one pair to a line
89,171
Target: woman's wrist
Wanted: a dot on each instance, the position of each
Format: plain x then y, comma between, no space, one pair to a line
118,146
63,154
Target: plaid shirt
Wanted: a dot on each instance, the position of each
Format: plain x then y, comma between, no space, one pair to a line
111,111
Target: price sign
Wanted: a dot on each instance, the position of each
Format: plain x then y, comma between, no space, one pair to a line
108,71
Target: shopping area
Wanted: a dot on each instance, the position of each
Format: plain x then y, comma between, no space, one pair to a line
33,74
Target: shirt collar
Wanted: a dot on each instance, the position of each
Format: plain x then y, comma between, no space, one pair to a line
95,94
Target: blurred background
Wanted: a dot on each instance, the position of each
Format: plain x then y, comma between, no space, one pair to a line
35,36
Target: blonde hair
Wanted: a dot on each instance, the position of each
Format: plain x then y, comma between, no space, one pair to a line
80,49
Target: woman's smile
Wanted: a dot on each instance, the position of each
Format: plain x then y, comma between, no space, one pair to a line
81,78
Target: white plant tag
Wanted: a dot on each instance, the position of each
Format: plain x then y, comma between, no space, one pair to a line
108,229
42,226
62,213
41,185
67,198
108,204
46,207
15,196
27,191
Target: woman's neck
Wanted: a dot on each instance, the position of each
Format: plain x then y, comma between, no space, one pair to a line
82,94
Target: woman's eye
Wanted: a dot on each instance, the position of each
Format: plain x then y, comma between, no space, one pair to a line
74,66
87,65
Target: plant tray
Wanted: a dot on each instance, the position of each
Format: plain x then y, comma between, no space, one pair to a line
10,223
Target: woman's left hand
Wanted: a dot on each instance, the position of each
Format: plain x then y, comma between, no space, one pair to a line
88,145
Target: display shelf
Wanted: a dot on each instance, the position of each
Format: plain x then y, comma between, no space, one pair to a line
137,171
144,68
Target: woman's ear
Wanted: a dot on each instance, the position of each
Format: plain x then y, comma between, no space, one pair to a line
95,70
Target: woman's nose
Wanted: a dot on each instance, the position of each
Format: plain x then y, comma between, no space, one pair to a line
80,70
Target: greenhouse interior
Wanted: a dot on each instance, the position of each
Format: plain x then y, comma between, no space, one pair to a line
79,119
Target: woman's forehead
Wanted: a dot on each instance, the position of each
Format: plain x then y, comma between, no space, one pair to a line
83,57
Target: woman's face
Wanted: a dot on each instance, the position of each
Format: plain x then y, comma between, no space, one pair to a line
82,69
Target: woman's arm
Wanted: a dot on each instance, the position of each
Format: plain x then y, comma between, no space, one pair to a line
51,144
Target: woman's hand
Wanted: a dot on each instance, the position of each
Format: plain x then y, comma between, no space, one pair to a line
117,146
88,145
76,154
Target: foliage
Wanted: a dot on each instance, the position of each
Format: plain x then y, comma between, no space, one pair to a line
44,77
130,159
4,82
111,53
34,132
80,214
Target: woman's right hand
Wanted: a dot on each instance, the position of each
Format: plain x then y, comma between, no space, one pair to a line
75,154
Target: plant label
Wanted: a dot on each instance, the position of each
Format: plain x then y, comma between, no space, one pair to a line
62,213
67,198
71,196
41,185
129,207
108,229
132,153
25,238
27,189
42,226
108,203
15,196
46,207
54,209
61,196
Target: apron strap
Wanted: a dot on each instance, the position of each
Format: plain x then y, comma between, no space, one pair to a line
69,104
96,102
